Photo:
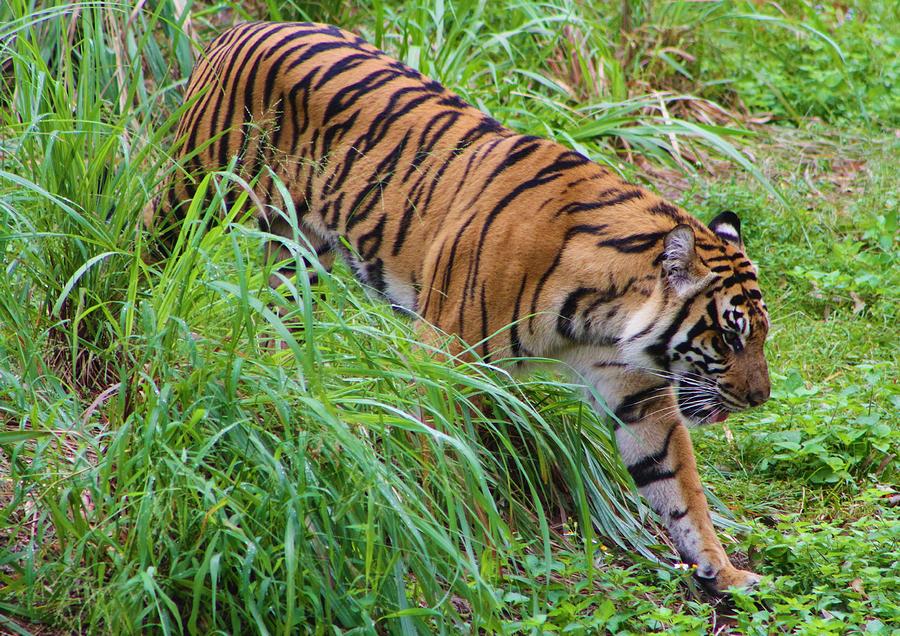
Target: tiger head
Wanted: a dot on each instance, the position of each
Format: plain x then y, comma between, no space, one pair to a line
714,347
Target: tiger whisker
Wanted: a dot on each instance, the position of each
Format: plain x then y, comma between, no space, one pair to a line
691,379
688,407
690,392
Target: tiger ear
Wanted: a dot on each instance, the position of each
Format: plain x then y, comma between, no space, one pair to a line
678,259
727,226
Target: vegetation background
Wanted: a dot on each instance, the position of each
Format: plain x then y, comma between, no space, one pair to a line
167,466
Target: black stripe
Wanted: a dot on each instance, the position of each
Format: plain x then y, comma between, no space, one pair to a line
485,126
403,228
453,101
435,182
375,275
337,205
737,278
570,159
434,273
610,365
274,72
564,323
336,132
650,469
658,349
451,259
413,201
540,286
484,326
343,65
200,91
631,408
309,155
383,174
446,119
517,349
381,124
576,207
643,332
634,243
575,230
251,55
609,294
665,209
374,237
503,203
264,155
718,258
286,46
301,117
414,198
488,147
514,155
348,95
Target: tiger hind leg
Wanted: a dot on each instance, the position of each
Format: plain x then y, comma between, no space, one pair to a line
276,251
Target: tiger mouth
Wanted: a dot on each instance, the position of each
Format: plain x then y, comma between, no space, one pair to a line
710,414
715,415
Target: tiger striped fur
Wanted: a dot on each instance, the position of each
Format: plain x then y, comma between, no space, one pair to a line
511,242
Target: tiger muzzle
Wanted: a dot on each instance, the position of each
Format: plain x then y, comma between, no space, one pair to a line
756,386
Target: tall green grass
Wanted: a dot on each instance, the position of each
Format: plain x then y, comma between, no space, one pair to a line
186,450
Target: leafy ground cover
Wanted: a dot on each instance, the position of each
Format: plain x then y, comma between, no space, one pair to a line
184,451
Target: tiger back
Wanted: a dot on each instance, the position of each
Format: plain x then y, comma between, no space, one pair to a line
514,243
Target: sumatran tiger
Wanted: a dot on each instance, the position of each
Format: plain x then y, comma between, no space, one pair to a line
515,244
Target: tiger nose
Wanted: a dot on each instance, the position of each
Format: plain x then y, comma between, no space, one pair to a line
755,398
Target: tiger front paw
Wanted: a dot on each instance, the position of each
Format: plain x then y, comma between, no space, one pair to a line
727,578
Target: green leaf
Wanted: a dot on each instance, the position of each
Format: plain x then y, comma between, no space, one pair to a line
14,437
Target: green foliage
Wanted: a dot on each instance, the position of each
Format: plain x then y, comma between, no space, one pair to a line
224,482
571,601
794,59
866,266
831,578
826,437
78,121
801,75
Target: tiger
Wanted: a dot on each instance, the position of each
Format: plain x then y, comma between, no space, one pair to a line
516,245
